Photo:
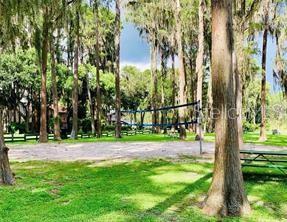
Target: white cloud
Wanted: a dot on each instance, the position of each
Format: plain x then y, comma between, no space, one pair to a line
146,65
140,65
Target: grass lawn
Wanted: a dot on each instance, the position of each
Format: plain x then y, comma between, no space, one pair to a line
155,190
272,140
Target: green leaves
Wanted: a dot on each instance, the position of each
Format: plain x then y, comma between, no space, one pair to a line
19,72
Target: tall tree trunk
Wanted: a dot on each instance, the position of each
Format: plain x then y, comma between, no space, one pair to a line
182,84
35,118
163,77
199,64
173,79
117,69
92,116
27,117
239,97
209,122
43,121
173,83
238,67
6,175
240,23
74,133
154,77
57,132
98,97
226,195
263,136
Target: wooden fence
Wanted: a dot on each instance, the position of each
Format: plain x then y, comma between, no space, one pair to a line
35,137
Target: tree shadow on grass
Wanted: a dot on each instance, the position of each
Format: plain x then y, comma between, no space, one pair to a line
77,191
179,196
268,192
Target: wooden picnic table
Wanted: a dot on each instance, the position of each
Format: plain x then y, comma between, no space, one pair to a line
251,156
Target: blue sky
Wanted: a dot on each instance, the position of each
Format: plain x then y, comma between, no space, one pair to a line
135,51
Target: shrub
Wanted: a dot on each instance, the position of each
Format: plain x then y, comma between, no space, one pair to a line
14,127
250,127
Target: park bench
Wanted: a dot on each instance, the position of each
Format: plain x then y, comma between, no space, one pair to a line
270,159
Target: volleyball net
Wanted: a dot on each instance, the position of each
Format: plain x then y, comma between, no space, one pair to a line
164,117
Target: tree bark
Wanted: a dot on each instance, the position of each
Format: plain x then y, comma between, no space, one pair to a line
163,77
6,175
173,79
74,133
98,97
43,121
154,77
92,116
57,132
27,118
199,64
182,84
263,136
117,69
226,196
173,83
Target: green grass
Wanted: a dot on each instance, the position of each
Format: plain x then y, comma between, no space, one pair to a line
273,140
155,190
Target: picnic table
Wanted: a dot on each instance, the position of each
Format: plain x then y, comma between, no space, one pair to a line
272,158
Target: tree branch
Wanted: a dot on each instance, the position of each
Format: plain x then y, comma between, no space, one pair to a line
252,9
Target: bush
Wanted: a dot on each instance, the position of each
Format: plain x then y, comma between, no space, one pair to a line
112,128
250,127
14,127
86,125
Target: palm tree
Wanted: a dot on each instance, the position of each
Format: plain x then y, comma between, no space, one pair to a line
226,195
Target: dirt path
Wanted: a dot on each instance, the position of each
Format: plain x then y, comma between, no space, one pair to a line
116,150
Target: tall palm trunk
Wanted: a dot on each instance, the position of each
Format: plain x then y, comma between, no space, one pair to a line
57,133
44,57
98,97
74,133
182,84
199,64
117,68
226,195
6,175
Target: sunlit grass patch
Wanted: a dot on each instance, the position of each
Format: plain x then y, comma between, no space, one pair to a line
150,190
